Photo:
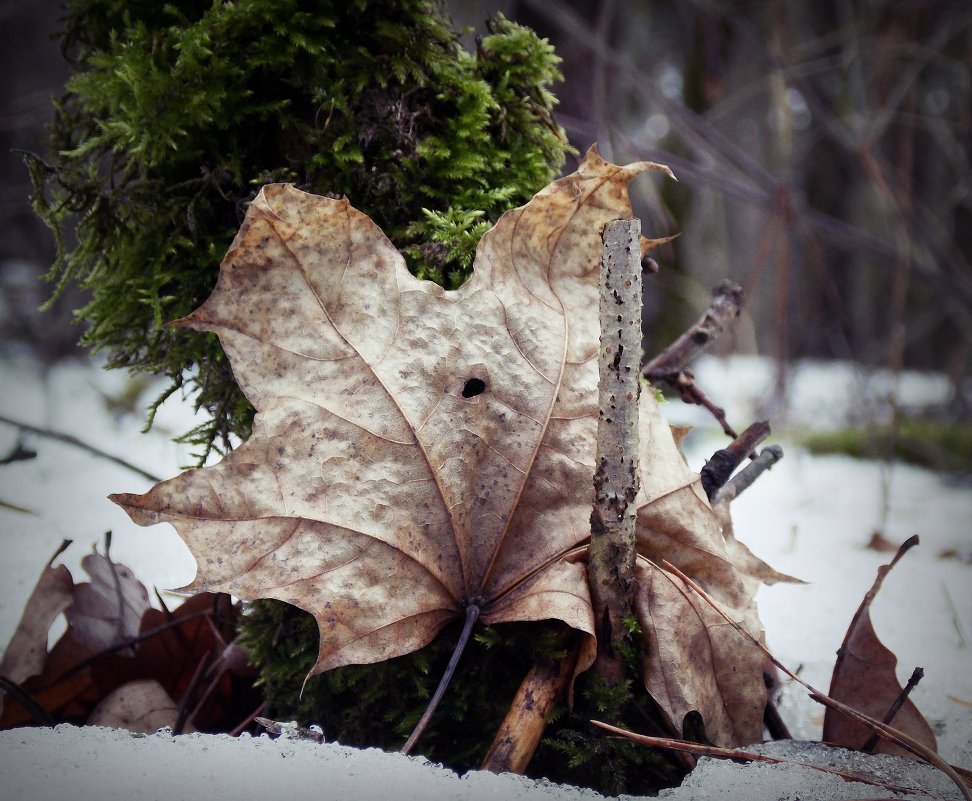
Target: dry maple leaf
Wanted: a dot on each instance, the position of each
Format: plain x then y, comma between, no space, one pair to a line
417,450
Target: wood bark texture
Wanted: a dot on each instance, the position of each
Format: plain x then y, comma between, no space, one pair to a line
520,732
611,557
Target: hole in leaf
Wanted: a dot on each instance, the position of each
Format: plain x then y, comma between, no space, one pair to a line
473,387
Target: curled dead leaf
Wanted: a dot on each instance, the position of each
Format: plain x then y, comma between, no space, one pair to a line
864,678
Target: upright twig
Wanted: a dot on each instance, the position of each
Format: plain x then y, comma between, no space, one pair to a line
611,557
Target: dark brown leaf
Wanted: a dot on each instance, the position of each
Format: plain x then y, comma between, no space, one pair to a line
864,678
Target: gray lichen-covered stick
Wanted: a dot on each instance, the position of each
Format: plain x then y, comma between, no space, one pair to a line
611,557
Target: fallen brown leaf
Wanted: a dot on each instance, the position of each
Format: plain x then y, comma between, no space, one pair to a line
106,647
418,451
864,678
26,653
140,706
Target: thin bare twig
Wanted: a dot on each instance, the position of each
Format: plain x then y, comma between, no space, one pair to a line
184,717
27,701
916,676
737,755
129,641
727,302
242,726
69,439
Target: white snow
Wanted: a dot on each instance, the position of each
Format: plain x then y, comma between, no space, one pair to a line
98,764
811,516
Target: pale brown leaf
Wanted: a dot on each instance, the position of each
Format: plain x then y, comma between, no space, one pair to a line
372,492
108,609
26,652
140,706
724,681
416,450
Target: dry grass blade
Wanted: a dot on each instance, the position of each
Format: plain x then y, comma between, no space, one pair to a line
879,728
739,755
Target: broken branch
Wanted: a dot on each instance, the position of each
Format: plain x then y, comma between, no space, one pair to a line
669,366
724,461
727,301
519,734
744,479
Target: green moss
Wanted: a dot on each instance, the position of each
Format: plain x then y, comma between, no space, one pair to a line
378,705
178,112
937,444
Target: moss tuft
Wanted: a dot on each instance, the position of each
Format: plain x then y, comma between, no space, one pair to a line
936,444
178,112
378,705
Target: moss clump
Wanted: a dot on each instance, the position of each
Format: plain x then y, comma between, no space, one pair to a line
936,444
378,705
178,112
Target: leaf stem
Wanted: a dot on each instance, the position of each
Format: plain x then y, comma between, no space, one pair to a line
472,615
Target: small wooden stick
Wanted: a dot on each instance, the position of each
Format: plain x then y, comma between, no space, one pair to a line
720,466
744,479
519,734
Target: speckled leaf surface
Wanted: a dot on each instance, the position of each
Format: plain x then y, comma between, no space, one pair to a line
417,449
372,493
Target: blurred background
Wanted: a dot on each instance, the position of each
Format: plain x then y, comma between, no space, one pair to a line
822,151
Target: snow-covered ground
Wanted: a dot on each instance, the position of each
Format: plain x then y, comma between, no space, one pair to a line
811,517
